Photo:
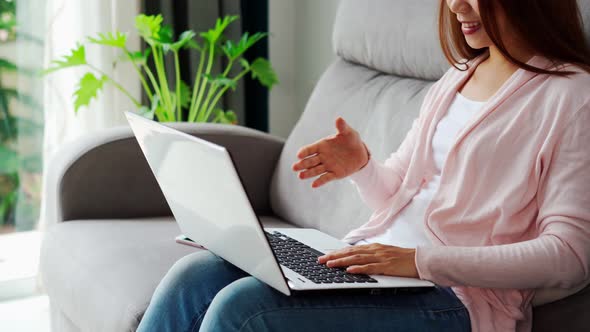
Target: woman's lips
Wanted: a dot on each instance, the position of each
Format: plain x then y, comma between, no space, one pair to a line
469,28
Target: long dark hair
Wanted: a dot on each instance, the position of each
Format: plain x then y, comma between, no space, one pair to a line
551,28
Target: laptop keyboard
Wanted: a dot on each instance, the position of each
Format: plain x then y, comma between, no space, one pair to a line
303,260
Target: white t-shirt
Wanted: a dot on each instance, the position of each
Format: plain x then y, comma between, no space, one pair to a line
407,230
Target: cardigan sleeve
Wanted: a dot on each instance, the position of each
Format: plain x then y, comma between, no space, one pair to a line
376,182
559,257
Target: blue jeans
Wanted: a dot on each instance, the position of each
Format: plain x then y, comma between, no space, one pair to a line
202,292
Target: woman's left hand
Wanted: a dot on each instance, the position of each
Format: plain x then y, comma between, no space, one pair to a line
374,259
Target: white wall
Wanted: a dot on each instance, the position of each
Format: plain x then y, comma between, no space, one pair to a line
300,50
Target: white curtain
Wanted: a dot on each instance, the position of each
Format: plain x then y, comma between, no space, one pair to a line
69,22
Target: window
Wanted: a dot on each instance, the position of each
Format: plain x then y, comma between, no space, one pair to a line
21,137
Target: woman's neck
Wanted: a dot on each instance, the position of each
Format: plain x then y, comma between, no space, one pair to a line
490,74
497,60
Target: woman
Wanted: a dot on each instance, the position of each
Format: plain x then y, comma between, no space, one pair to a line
488,193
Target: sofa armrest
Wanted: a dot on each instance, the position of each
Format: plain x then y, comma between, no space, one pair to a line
106,175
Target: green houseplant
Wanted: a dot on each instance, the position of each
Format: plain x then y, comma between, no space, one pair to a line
20,156
166,101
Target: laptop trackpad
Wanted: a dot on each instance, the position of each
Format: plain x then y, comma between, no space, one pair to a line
313,238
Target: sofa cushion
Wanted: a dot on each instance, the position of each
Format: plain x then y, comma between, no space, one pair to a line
564,315
101,274
381,107
397,37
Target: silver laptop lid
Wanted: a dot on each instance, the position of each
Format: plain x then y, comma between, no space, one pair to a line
206,196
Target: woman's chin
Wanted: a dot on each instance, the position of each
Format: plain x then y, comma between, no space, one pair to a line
475,44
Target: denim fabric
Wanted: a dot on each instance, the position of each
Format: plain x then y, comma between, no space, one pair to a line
202,292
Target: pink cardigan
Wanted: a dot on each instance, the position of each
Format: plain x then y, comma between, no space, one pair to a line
511,218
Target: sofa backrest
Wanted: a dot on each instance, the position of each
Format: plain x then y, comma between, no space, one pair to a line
388,56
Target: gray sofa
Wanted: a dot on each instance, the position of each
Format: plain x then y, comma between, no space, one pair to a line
110,234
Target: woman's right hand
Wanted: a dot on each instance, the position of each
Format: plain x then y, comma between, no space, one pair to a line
333,157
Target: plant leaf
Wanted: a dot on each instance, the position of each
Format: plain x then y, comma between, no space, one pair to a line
263,71
24,126
149,27
231,117
9,129
116,39
245,63
8,160
167,39
88,88
193,44
138,57
234,51
8,65
21,97
222,81
7,205
183,40
153,110
76,58
213,35
185,94
228,117
156,109
165,35
146,112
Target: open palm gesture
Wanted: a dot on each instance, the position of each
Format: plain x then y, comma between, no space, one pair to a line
333,157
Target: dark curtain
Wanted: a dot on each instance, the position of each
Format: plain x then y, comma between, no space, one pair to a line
254,19
250,100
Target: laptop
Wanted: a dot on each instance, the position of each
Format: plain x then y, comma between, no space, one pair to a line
207,197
